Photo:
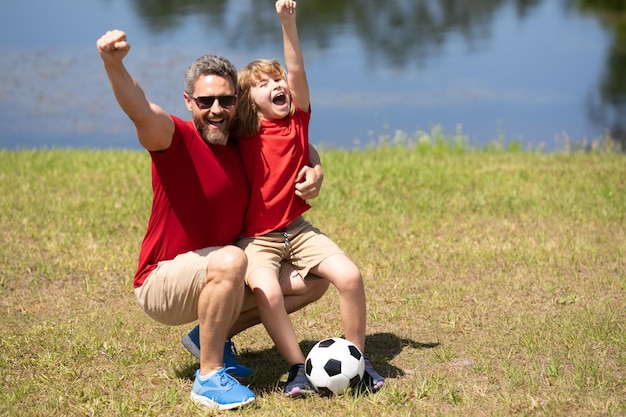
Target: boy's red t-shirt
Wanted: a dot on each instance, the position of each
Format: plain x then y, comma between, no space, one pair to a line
273,158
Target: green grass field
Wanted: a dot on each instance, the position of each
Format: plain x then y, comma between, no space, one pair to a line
496,285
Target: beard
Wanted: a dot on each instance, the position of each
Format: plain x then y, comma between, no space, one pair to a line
209,134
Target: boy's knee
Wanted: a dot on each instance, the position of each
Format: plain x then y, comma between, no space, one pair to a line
351,277
274,297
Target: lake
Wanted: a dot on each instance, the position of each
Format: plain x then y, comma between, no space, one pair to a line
532,71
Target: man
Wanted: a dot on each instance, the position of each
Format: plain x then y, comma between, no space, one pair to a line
188,268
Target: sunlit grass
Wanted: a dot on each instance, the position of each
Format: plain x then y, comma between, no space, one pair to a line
495,281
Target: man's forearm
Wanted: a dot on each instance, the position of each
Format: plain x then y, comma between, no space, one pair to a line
314,157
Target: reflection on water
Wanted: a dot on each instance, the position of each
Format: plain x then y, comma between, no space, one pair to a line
529,69
398,32
607,106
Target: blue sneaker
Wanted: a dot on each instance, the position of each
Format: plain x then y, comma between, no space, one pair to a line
230,361
191,341
297,382
221,391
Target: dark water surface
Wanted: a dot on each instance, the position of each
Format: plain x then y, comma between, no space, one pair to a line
529,70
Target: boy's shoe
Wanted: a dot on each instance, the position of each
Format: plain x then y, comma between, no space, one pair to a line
191,341
371,378
297,382
221,391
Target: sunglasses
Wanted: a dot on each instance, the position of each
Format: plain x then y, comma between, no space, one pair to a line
206,102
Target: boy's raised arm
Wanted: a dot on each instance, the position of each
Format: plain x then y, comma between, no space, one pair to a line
294,61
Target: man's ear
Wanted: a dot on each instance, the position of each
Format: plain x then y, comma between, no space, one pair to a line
188,101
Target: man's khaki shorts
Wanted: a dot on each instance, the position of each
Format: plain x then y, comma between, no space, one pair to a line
170,293
300,244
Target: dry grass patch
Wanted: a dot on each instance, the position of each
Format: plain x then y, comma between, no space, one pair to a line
495,284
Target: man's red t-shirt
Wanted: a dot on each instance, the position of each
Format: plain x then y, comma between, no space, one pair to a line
200,195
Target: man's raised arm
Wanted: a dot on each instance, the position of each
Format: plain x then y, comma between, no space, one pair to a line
154,125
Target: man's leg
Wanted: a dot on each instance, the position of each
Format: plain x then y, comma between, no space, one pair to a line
219,304
207,284
298,293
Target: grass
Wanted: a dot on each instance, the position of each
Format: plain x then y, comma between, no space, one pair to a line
496,282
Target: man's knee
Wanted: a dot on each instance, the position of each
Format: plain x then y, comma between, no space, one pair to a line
228,262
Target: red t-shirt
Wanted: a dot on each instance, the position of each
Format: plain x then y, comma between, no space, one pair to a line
200,195
273,158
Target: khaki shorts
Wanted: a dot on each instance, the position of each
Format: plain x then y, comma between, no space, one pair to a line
300,244
170,293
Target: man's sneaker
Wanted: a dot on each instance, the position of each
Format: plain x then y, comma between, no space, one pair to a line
230,361
220,391
371,378
191,341
297,382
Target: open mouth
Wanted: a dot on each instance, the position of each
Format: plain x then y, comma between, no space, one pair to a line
216,123
279,99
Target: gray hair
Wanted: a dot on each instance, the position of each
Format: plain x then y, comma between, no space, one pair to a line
209,65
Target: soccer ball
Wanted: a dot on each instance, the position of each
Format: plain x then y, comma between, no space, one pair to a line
333,365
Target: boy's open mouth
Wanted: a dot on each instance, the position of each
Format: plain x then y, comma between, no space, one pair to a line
279,99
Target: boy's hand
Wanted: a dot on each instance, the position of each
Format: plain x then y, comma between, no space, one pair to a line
286,9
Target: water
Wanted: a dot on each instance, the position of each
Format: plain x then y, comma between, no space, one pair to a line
528,70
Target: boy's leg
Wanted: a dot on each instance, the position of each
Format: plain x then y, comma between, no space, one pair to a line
297,292
270,302
312,249
346,277
268,294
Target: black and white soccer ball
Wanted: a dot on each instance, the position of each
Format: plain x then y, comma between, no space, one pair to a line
334,365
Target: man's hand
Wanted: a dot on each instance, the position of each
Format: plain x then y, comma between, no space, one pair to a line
309,182
153,125
113,46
